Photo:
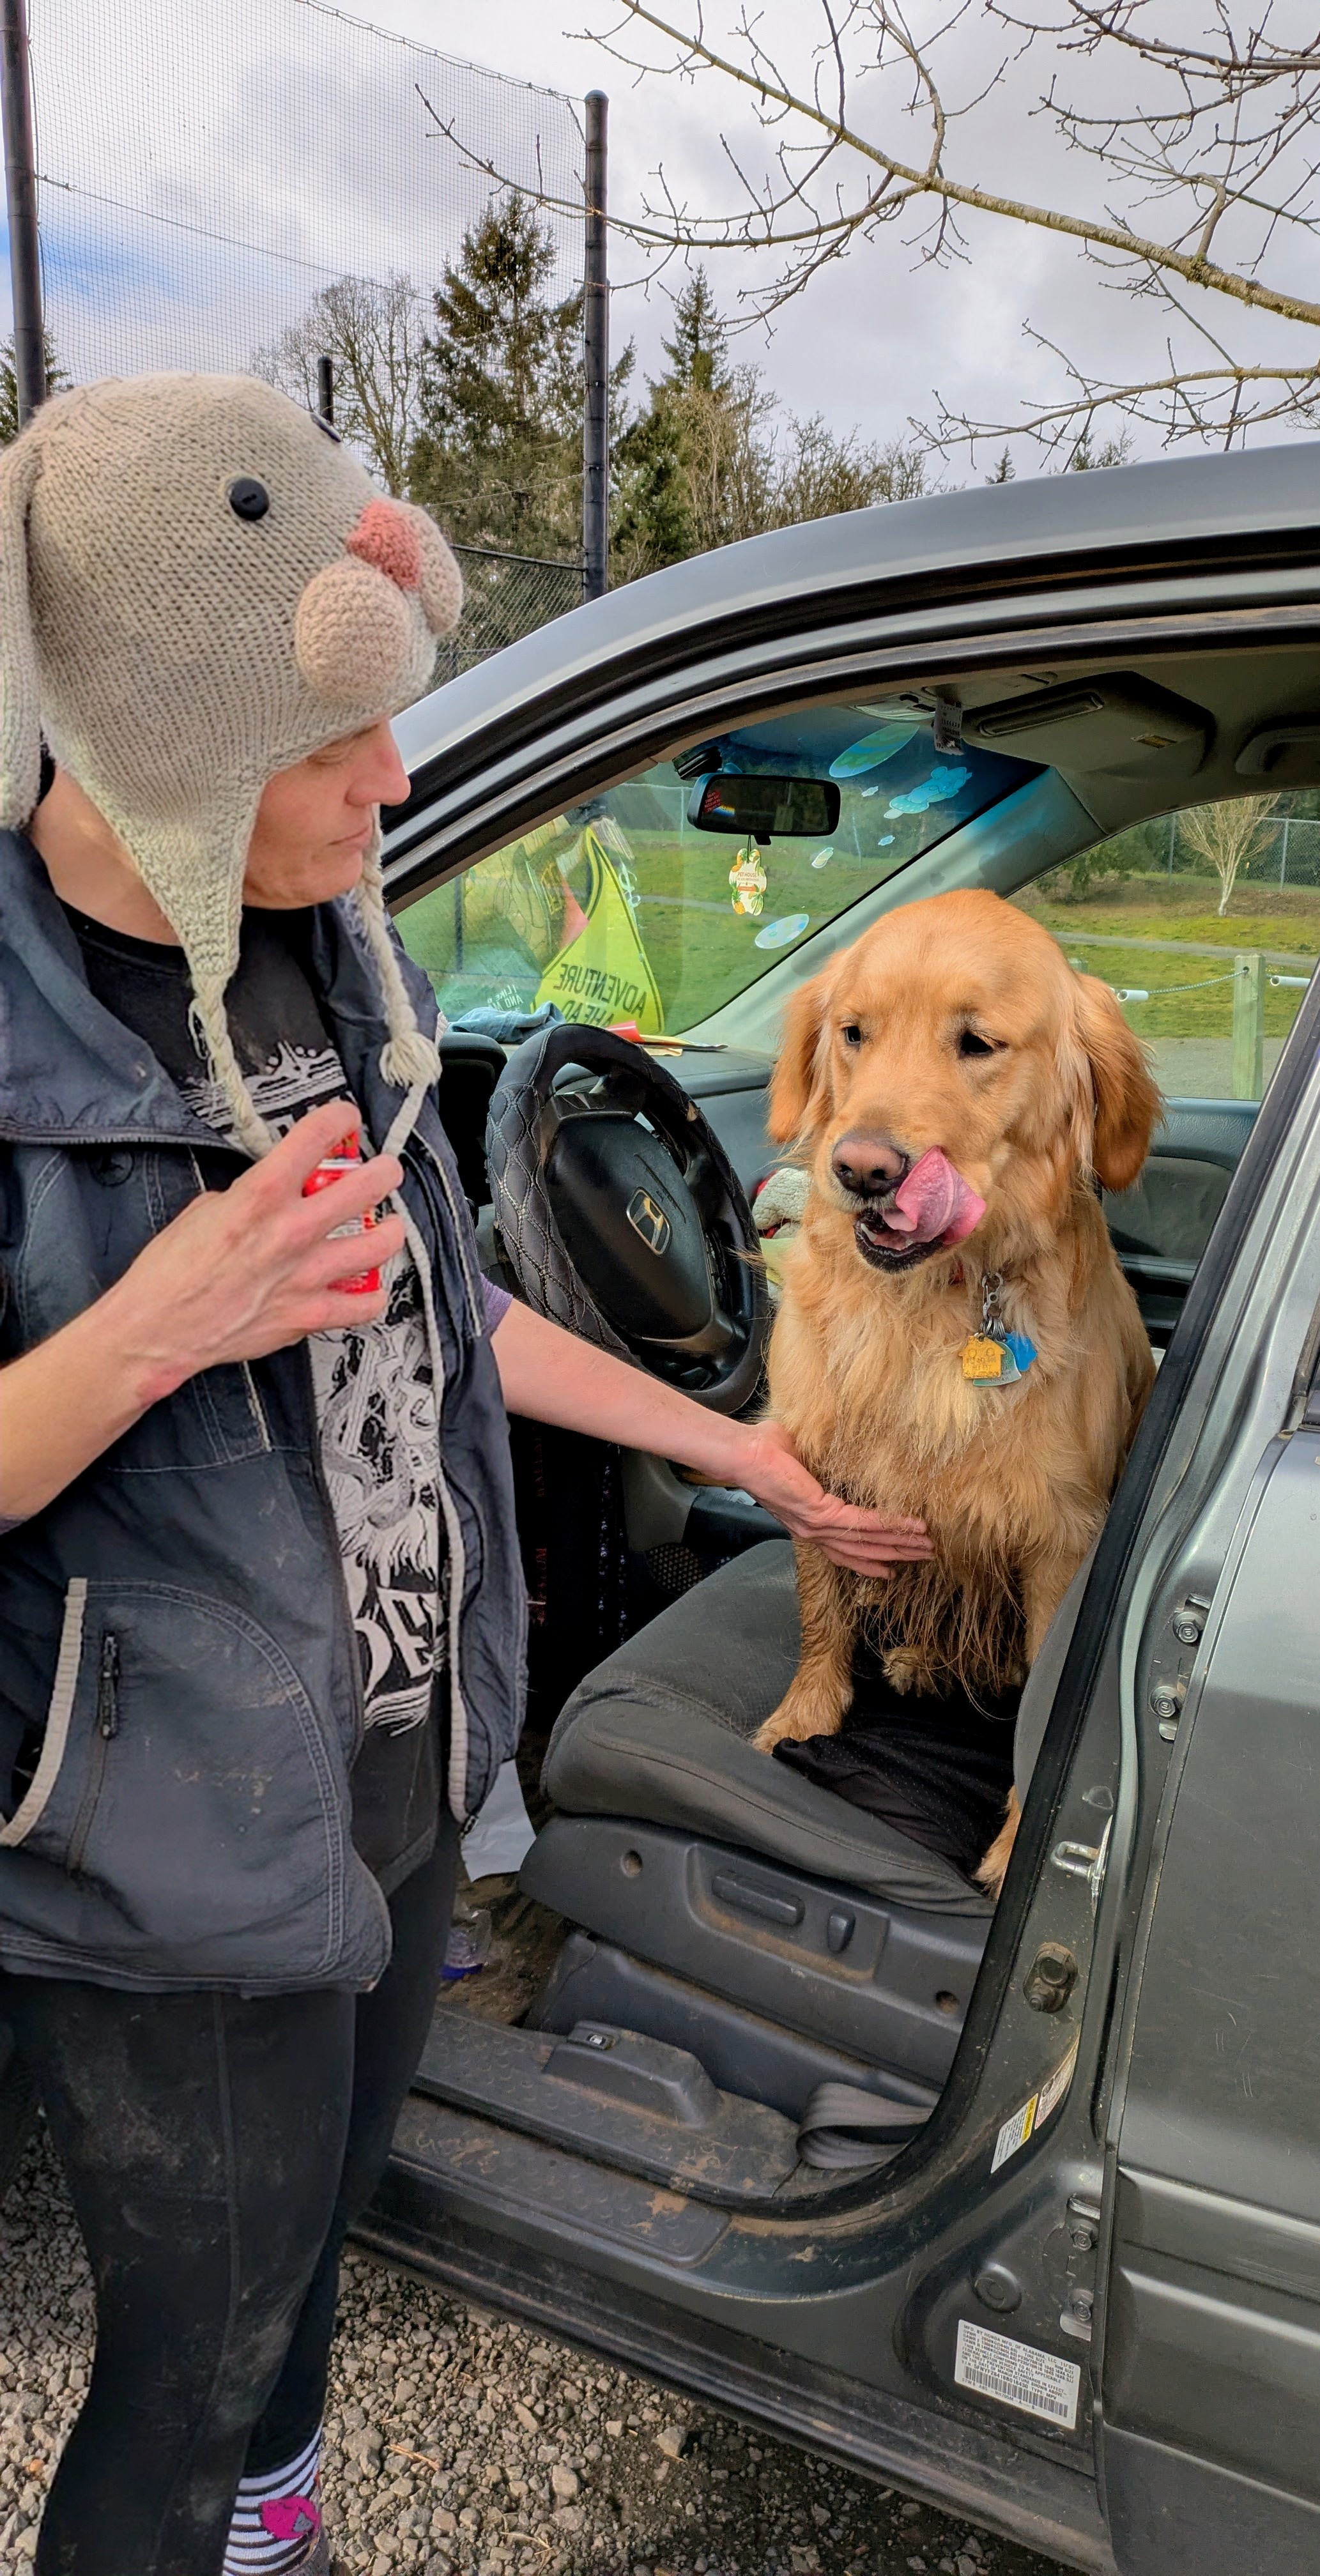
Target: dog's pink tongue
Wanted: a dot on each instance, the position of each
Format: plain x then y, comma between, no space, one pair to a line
935,1204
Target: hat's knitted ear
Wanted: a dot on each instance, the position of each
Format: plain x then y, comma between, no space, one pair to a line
20,702
407,1057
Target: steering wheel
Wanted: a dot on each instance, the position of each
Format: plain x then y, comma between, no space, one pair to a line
622,1216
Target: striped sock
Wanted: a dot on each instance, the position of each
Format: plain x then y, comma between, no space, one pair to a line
277,2518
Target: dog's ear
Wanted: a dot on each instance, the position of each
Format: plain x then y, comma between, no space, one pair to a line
799,1085
20,708
1119,1104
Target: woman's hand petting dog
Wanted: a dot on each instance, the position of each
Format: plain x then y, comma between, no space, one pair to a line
865,1542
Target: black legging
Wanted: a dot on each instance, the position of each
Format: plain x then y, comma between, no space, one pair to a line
217,2151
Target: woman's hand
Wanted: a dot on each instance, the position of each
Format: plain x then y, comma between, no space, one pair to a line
241,1272
551,1377
865,1542
245,1270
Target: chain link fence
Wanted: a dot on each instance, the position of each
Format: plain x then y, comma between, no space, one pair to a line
1284,847
208,168
505,596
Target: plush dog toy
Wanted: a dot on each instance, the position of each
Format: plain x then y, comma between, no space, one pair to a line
199,585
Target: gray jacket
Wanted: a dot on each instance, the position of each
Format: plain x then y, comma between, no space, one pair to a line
174,1627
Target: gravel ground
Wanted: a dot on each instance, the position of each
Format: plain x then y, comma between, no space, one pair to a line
463,2445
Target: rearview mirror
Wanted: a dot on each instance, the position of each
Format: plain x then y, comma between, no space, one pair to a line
758,808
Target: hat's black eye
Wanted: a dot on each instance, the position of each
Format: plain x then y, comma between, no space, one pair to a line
248,499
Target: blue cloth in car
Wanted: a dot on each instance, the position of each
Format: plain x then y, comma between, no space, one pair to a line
508,1028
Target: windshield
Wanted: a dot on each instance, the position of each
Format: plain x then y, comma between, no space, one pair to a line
624,911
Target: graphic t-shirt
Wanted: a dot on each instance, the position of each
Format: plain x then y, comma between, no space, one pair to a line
376,1399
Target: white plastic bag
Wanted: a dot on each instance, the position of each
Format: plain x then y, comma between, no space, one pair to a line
502,1833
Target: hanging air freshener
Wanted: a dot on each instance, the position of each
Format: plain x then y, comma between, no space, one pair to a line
748,879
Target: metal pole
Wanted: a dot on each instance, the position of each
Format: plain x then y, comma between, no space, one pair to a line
596,358
1283,858
325,389
21,201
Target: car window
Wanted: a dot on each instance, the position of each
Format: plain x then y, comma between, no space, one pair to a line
624,910
1207,926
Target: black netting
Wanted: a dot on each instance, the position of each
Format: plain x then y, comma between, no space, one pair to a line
205,165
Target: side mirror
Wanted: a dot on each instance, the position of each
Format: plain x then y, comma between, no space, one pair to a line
759,808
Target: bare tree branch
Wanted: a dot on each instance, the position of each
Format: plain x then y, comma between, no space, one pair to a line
1204,146
755,224
372,331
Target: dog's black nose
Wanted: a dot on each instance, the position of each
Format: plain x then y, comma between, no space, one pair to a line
868,1165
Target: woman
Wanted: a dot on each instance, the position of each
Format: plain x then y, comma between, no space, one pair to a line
258,1579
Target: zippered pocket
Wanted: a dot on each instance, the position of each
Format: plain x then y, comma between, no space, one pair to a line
104,1731
187,1790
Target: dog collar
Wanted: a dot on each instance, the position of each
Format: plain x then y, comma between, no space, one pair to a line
994,1356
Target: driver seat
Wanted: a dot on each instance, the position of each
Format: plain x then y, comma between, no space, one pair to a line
663,1730
746,1886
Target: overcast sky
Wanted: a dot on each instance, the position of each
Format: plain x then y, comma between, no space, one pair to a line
873,340
252,117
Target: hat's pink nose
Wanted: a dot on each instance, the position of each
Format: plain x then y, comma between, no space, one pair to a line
387,537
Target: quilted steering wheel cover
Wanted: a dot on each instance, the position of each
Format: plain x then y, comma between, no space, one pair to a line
522,1207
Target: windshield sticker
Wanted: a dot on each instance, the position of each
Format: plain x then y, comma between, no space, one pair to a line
1033,2114
782,933
872,750
1037,2383
941,786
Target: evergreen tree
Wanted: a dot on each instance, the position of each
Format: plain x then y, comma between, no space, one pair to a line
498,455
699,349
712,459
1086,457
57,382
1005,471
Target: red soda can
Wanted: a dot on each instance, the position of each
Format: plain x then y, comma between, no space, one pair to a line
345,1157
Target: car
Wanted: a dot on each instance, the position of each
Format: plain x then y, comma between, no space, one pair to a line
1017,2207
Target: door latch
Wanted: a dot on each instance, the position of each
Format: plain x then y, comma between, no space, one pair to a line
1085,1860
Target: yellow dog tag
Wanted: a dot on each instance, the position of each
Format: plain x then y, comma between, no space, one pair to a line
982,1359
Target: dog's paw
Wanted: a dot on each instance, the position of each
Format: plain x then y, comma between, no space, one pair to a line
793,1725
994,1868
907,1670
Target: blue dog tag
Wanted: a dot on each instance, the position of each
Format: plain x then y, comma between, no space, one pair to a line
1023,1350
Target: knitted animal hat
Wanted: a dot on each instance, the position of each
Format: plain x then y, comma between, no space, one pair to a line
199,586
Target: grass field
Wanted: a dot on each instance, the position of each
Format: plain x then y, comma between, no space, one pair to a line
1183,909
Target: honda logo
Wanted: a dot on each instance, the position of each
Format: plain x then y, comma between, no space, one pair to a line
649,1221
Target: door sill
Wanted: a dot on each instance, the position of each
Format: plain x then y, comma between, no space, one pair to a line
462,2203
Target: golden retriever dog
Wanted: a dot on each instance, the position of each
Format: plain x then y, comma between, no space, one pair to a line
957,1031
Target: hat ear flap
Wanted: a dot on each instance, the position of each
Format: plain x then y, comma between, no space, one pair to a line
20,703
